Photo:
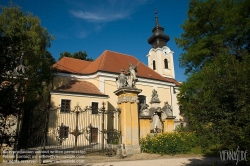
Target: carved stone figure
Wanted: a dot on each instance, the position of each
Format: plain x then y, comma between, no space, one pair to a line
132,79
154,96
167,109
20,69
121,80
144,111
127,80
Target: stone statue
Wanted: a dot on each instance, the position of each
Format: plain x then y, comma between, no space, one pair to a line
121,80
167,109
154,96
127,81
132,79
20,69
144,111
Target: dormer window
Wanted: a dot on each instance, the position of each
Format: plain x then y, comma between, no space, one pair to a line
154,67
166,63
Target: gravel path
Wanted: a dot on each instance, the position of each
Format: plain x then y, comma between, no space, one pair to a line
145,159
142,159
162,162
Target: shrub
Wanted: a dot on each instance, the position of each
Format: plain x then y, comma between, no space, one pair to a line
168,143
181,128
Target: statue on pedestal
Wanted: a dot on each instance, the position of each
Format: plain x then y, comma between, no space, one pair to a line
132,79
128,80
154,98
20,69
121,80
167,109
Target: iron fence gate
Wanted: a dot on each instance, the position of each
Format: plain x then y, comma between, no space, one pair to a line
80,130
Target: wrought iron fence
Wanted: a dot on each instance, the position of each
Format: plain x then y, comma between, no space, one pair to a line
77,131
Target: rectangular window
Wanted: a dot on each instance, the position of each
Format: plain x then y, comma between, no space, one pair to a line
63,132
142,101
65,106
166,63
94,107
154,66
93,135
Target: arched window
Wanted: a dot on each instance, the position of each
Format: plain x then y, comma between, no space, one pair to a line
166,63
141,98
154,67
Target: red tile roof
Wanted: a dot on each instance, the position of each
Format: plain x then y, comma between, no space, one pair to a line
71,65
82,87
109,61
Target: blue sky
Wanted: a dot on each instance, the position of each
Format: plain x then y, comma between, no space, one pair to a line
118,25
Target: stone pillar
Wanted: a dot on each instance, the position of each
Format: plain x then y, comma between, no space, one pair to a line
129,122
169,124
144,125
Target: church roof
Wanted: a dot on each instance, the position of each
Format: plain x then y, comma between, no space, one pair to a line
81,87
111,62
71,65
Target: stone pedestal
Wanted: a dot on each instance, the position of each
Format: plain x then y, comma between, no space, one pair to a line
144,126
169,124
129,122
155,104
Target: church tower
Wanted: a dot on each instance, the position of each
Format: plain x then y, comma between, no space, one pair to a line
160,57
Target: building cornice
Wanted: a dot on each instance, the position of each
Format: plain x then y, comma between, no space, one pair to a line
112,75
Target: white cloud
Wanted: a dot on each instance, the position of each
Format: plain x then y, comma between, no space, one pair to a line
99,17
106,11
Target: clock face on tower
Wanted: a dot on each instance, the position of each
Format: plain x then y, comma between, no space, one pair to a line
166,51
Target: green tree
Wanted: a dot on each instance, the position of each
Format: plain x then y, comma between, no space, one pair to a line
64,54
216,54
49,58
25,68
77,55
